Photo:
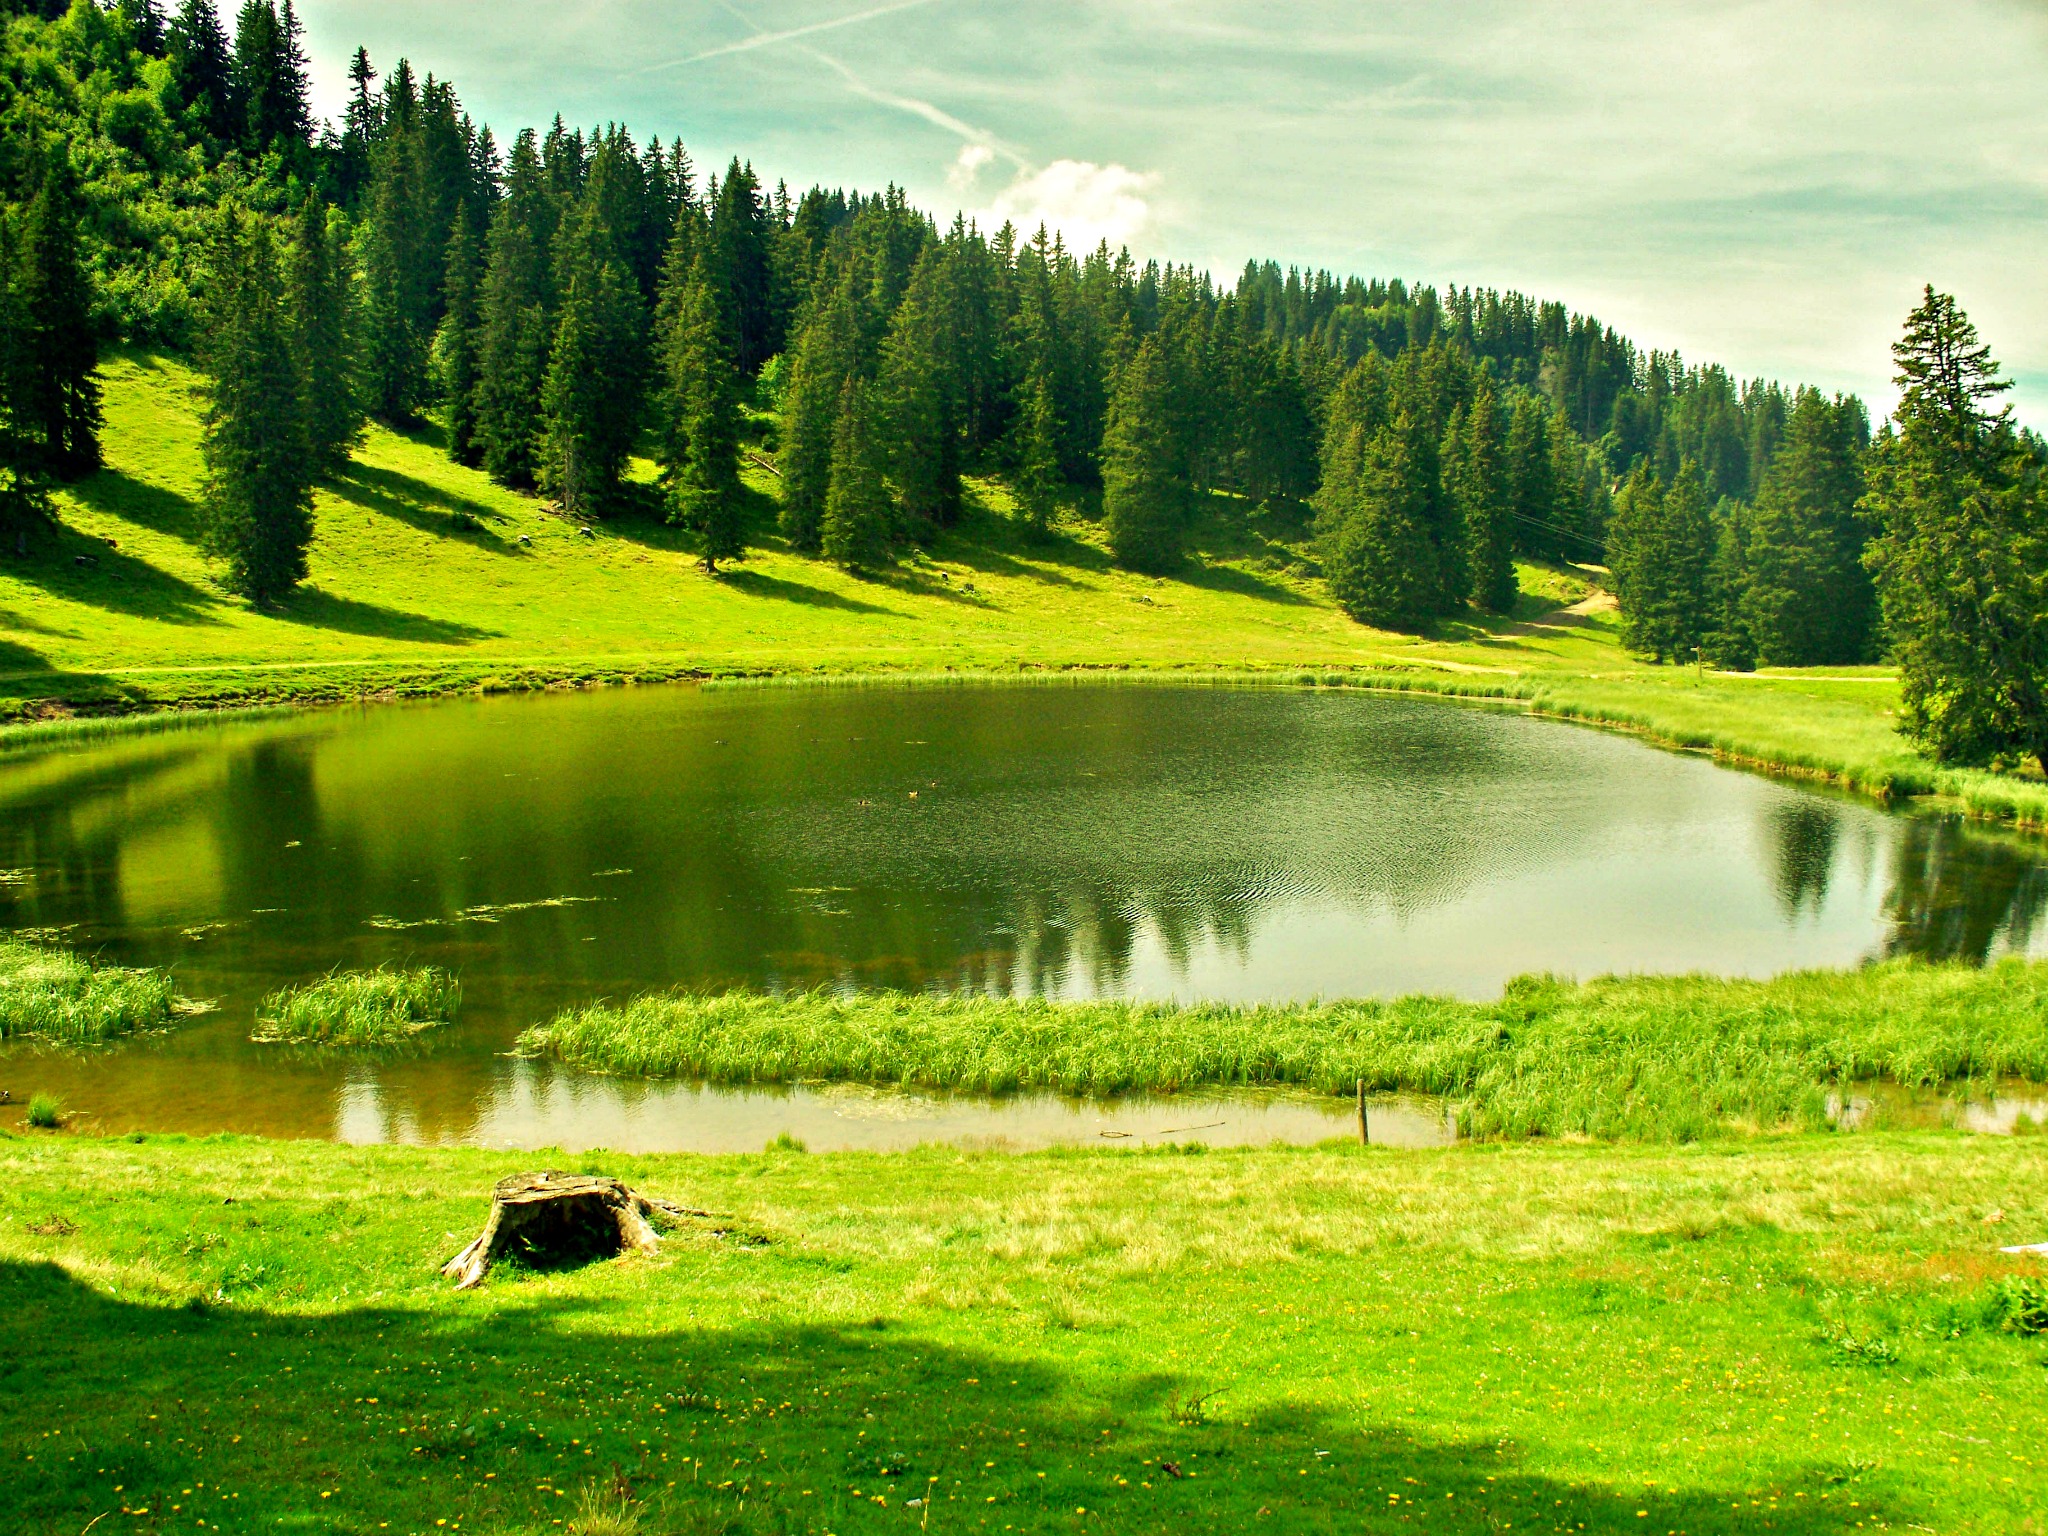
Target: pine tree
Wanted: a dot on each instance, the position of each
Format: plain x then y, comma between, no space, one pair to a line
270,77
1807,599
203,69
1378,556
1661,550
320,302
401,270
1531,483
700,469
1037,480
516,324
458,343
741,266
258,504
1480,484
857,511
825,358
590,402
145,22
1142,494
1961,556
917,389
61,402
24,490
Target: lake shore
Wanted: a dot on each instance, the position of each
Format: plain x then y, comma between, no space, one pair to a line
1777,1332
428,580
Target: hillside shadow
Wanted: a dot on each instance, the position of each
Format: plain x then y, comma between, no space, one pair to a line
1241,583
429,508
780,589
476,1412
320,609
139,501
92,572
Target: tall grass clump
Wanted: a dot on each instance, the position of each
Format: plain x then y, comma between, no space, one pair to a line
44,1112
1633,1058
380,1007
53,994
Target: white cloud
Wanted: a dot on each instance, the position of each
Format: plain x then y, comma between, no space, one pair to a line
1084,201
967,166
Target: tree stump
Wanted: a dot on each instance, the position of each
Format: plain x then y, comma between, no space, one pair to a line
560,1214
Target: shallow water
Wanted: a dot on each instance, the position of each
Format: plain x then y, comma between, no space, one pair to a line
1062,840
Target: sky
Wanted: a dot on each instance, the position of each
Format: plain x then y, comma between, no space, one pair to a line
1762,185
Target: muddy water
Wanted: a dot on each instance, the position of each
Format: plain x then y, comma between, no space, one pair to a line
1065,841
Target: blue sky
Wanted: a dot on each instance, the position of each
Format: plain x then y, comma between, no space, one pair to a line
1764,185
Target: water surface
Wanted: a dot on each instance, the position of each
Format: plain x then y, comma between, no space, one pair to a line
1069,841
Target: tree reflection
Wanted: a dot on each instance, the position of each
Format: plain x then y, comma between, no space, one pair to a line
1804,838
1957,894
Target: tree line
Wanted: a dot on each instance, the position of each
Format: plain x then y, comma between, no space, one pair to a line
572,299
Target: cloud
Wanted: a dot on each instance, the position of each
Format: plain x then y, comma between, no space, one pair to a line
1085,202
961,174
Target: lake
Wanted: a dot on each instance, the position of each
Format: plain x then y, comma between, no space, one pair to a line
1069,839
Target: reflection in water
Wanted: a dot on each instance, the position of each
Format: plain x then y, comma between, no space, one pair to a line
1959,894
1060,841
1806,835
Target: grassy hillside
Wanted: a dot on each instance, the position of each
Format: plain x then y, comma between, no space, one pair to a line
420,572
1814,1335
428,578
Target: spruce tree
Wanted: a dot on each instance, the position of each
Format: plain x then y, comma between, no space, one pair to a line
1037,481
1807,598
1142,493
1480,484
1378,556
320,301
458,344
826,353
401,271
700,470
590,401
1531,483
1961,560
917,389
258,503
1661,549
514,315
857,511
741,266
24,490
61,401
203,70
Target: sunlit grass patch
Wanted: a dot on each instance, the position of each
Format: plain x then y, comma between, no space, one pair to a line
53,994
361,1008
1629,1058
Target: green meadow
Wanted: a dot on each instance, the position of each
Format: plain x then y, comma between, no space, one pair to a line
1795,1334
428,578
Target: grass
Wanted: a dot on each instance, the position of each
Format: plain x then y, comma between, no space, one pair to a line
361,1008
426,578
51,994
1642,1058
1808,1335
44,1112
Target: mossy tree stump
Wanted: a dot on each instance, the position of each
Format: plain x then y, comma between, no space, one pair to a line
561,1216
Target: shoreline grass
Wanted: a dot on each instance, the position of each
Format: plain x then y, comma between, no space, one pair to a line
1630,1059
1791,1335
52,994
350,1009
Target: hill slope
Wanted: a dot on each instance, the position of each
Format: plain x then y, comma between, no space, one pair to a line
426,575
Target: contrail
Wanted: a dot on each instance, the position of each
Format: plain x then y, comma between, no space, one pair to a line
917,108
764,39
